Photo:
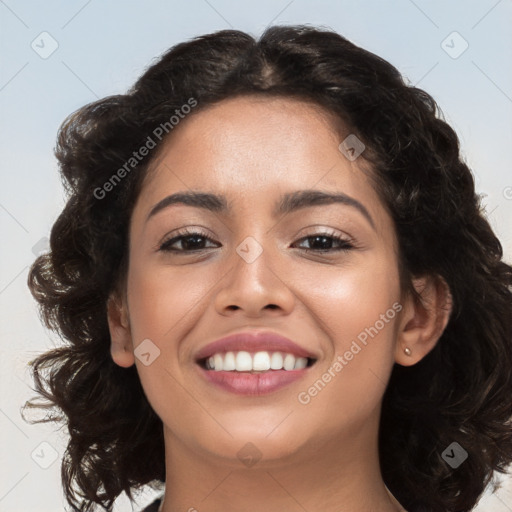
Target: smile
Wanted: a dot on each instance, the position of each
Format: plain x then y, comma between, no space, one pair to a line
263,361
253,363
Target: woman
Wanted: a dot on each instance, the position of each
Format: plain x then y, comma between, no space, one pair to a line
276,288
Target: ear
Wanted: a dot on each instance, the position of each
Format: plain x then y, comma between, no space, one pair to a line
423,320
121,347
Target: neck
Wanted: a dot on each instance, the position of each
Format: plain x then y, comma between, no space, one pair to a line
332,477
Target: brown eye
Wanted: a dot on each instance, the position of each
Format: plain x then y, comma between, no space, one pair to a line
190,242
326,242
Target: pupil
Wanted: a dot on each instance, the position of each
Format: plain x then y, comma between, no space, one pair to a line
188,245
324,240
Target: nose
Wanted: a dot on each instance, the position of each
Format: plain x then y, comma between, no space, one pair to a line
255,288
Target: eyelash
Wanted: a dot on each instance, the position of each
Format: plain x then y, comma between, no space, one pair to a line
345,244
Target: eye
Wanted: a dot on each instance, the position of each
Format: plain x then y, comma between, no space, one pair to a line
194,241
323,242
190,241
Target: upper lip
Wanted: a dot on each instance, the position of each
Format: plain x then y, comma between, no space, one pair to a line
253,342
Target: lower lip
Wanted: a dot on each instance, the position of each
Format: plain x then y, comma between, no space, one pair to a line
244,383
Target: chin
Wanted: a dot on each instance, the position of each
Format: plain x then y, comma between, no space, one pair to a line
252,443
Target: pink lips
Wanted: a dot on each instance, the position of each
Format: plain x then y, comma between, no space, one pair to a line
253,342
247,383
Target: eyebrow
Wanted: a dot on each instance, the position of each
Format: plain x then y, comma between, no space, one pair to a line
288,203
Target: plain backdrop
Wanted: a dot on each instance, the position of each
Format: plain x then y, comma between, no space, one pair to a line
60,55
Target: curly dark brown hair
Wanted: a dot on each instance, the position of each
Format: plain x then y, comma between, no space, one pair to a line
460,392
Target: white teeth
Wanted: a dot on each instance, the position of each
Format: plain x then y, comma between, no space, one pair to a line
289,362
217,362
243,361
229,362
300,362
261,361
276,361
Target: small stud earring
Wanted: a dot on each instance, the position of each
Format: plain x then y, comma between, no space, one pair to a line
407,351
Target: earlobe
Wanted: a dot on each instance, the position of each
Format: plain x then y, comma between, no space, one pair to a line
121,347
423,320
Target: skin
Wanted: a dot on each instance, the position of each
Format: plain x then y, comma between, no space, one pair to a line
319,456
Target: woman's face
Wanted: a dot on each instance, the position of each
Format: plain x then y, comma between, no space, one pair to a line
254,264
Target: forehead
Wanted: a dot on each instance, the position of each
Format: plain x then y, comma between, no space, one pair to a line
253,147
244,130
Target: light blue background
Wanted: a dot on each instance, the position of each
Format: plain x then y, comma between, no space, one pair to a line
104,46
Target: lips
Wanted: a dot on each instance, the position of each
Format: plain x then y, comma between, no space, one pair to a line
253,342
248,363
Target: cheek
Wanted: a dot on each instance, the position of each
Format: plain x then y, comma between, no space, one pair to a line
358,309
164,305
162,300
349,299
